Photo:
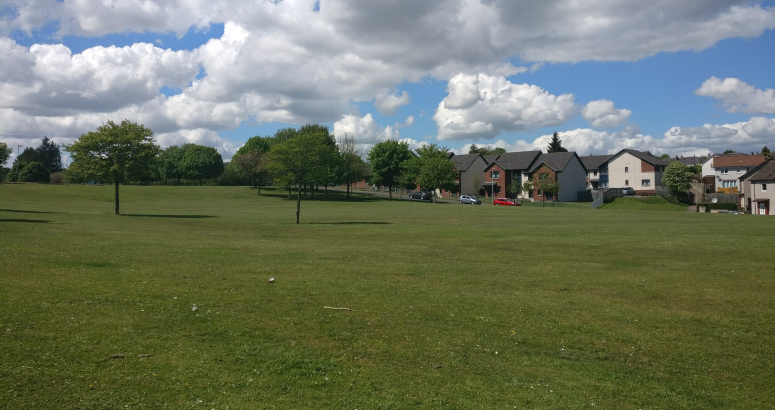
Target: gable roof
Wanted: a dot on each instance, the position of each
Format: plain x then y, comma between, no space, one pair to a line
762,172
645,156
517,160
490,158
463,162
693,160
557,161
592,162
737,160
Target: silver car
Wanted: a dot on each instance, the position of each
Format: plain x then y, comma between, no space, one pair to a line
469,199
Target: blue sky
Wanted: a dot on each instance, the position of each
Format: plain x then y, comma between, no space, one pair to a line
219,76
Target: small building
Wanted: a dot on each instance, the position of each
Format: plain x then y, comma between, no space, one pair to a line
757,189
597,170
727,170
563,167
635,169
506,169
469,167
688,161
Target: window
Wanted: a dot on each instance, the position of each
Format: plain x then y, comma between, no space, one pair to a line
729,184
645,182
764,187
495,175
626,169
626,182
725,171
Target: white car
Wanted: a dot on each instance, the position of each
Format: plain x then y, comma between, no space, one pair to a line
469,199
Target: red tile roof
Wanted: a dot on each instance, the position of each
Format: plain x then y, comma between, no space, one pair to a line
737,160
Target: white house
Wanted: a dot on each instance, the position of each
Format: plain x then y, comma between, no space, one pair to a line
635,169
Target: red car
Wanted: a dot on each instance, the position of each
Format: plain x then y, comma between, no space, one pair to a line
506,202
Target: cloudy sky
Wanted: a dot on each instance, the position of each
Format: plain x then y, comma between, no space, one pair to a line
678,77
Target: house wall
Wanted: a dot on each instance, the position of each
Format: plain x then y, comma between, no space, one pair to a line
707,168
467,177
731,177
754,191
637,171
572,180
501,182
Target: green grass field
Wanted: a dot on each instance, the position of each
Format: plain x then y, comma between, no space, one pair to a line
654,203
452,306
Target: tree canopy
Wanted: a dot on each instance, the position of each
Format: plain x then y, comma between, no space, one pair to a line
114,153
169,162
255,144
34,172
49,155
352,168
200,162
5,153
473,149
677,177
299,161
386,159
555,145
765,151
253,166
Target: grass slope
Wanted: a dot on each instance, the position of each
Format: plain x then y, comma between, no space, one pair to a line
453,306
653,203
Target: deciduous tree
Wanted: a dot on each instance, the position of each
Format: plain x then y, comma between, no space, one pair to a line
114,152
297,161
200,162
386,158
5,153
253,166
34,172
352,168
677,177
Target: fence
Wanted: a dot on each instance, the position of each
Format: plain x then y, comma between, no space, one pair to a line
601,197
721,198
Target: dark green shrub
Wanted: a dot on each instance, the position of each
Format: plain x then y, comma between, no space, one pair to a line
725,207
34,172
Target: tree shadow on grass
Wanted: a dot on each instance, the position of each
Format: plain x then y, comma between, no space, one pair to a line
350,223
169,216
26,212
31,221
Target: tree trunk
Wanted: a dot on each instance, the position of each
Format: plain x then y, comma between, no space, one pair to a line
116,211
298,206
348,190
259,186
289,192
390,191
325,194
312,189
200,181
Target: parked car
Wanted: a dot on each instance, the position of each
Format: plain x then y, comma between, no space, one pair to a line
628,191
506,202
469,199
421,195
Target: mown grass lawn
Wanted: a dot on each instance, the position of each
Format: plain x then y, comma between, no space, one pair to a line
452,306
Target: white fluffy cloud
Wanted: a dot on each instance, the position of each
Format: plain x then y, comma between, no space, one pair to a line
367,132
738,96
387,103
603,114
286,61
483,106
747,136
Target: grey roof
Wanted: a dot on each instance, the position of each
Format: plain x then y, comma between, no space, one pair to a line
517,160
693,160
490,158
646,156
462,162
556,160
592,162
762,172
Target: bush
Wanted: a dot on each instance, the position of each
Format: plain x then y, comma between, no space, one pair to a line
57,178
725,206
34,172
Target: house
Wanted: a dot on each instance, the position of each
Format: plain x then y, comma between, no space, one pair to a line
563,167
727,169
506,168
597,170
470,169
708,174
688,161
757,189
635,169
